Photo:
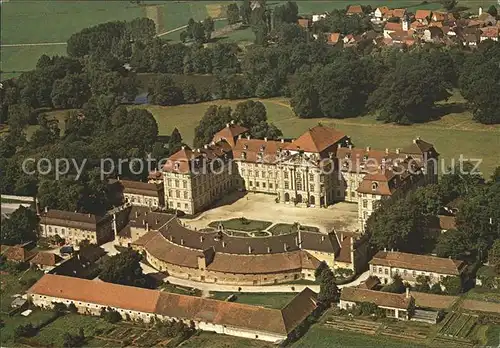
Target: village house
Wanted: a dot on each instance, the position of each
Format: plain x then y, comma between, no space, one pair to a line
399,306
138,193
235,319
386,264
380,12
75,227
20,253
489,33
423,16
317,17
354,10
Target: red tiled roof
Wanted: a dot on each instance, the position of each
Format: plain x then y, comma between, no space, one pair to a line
137,187
45,259
389,26
229,133
316,139
355,9
380,298
71,219
383,9
257,150
229,314
398,12
418,262
425,300
18,253
304,22
333,38
98,292
490,32
423,14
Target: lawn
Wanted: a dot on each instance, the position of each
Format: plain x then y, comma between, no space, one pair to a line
13,284
289,228
321,337
268,300
484,294
177,289
209,339
242,224
453,134
11,322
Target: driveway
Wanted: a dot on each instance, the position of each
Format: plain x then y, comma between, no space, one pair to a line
258,206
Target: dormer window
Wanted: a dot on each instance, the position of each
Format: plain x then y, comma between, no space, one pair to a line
347,156
176,165
245,146
262,147
365,157
243,155
374,186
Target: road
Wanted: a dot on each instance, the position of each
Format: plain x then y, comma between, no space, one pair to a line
205,287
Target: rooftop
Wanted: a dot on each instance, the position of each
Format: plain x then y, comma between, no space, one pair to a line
418,262
380,298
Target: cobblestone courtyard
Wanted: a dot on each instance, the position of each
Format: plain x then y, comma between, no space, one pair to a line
257,206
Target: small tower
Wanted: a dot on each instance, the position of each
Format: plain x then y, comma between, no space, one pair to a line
405,23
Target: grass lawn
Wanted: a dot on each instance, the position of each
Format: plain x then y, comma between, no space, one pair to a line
493,336
484,294
12,284
290,228
176,289
268,300
210,339
322,337
242,225
452,135
11,322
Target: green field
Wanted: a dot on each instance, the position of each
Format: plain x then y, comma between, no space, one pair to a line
268,300
452,135
209,340
321,337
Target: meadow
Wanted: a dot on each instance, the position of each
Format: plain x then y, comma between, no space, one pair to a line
50,21
453,134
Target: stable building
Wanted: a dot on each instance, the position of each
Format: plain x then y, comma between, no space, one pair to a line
235,319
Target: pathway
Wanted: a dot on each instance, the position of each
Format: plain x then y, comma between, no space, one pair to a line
204,287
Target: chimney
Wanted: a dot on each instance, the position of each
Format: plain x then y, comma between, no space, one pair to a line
239,136
350,146
46,209
265,138
339,145
368,148
408,292
201,239
136,214
322,238
183,147
157,221
386,150
297,241
285,246
232,121
282,140
268,250
398,150
89,214
182,241
480,12
205,146
249,249
223,244
227,125
385,249
147,226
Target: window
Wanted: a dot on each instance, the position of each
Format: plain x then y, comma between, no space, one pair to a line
263,185
50,229
311,187
353,194
185,195
170,193
243,172
184,184
256,173
251,183
365,203
176,183
311,177
263,173
386,271
270,186
250,172
257,184
380,270
185,206
414,273
178,205
285,175
374,186
177,194
169,182
286,185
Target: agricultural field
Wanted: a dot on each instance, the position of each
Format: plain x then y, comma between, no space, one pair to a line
209,339
268,300
457,328
453,134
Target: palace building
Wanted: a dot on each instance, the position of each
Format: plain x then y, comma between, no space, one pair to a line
317,169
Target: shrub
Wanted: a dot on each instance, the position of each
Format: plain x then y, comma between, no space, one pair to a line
72,308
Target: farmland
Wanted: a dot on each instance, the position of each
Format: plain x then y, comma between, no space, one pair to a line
453,134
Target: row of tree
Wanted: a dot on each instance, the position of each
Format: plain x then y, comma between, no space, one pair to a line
404,223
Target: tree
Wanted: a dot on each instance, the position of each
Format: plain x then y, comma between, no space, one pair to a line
233,13
20,227
72,308
323,267
408,93
164,92
397,224
396,285
422,283
452,285
436,289
495,177
27,330
70,340
110,315
492,10
141,29
60,308
305,98
453,243
175,141
449,4
20,116
328,290
214,119
209,27
70,92
189,93
245,11
286,13
253,115
124,269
